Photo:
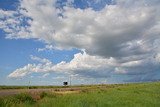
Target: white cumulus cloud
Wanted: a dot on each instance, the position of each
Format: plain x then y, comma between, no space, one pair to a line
82,64
122,37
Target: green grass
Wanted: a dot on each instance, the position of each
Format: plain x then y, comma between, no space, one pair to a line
127,95
22,98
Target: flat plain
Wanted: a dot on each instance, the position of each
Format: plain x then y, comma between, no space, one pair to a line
114,95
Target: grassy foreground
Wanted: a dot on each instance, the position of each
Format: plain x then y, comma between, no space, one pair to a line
127,95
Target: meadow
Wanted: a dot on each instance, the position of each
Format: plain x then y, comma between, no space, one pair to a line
116,95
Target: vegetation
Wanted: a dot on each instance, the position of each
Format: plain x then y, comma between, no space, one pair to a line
26,87
123,95
17,99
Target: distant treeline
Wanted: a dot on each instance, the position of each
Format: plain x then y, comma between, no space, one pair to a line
82,85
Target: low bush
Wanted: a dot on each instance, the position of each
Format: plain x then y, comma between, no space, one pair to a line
43,94
17,99
24,97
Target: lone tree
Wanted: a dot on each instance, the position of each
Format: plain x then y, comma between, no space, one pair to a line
65,83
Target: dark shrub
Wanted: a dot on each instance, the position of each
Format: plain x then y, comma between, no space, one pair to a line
24,97
43,94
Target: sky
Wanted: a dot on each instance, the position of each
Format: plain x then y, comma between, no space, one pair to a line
47,42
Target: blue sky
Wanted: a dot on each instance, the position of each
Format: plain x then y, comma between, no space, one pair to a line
99,41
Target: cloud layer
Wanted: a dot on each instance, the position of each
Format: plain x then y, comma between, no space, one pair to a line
82,64
121,38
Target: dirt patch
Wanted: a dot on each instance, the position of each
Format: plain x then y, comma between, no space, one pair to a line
66,92
35,92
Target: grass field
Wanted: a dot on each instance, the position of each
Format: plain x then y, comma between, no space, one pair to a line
3,87
123,95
